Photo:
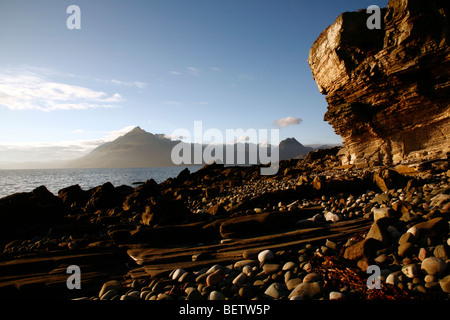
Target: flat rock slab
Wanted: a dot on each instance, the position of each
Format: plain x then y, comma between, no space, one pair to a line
161,261
44,275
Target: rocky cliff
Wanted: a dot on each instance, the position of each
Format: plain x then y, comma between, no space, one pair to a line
388,90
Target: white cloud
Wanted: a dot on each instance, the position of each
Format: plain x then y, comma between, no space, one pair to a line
216,69
245,76
174,103
193,71
175,73
22,89
242,138
201,103
288,121
60,150
137,84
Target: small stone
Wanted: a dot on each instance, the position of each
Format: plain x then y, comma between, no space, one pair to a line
380,213
336,295
445,284
240,279
423,253
177,274
242,263
246,292
214,268
270,268
393,278
406,250
332,217
407,237
441,251
410,271
194,294
110,285
265,255
288,266
109,294
275,291
414,231
433,266
215,278
429,278
330,244
381,198
216,295
312,277
309,290
292,283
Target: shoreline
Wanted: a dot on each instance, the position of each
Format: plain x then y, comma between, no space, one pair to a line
160,241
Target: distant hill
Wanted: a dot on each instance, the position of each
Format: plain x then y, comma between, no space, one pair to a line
139,148
290,148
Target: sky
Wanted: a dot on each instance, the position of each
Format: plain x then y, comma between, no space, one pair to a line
158,64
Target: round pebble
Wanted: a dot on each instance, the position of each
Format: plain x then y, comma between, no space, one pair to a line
265,255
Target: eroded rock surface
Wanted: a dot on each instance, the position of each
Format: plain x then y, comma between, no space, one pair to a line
388,90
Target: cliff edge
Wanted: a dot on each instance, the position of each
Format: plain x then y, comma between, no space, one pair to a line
388,89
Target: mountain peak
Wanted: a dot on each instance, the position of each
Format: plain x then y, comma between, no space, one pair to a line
137,129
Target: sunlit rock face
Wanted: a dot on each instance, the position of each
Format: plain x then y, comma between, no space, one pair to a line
388,89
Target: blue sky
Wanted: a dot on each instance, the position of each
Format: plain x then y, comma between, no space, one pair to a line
160,65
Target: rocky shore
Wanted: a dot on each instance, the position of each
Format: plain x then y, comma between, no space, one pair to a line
316,230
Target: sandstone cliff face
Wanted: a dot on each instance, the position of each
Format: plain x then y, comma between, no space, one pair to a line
388,90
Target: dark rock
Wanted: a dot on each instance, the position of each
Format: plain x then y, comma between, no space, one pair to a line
137,200
431,228
74,196
120,236
29,213
366,248
103,197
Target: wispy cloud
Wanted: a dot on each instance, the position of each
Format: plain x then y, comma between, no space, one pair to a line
288,121
177,103
61,150
216,69
22,89
193,71
137,84
174,103
246,76
175,73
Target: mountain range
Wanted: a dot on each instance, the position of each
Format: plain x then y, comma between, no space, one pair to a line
139,148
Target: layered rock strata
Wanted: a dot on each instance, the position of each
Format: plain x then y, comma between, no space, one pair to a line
388,90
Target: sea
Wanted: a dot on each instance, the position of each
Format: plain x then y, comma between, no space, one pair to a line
26,180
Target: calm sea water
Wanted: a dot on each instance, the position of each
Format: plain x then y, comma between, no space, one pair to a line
12,181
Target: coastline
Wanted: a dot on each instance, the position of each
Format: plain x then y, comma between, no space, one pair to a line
166,241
